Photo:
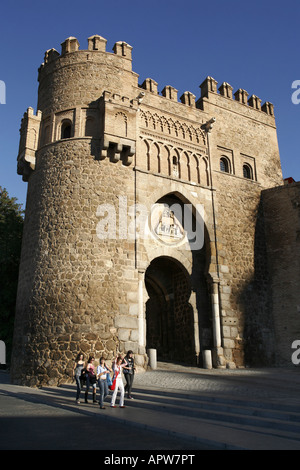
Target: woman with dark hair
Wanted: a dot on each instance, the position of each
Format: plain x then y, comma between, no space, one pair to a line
90,379
77,372
118,365
129,373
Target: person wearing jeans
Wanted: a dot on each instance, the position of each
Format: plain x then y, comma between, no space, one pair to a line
77,371
90,379
117,368
129,373
102,371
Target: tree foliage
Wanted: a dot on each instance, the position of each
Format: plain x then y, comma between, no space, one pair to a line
11,227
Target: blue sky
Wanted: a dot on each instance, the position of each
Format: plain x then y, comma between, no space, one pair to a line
252,45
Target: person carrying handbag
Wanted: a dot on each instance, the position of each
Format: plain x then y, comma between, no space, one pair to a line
117,368
77,374
102,375
129,372
91,379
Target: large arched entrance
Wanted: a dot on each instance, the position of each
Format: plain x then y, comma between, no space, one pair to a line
179,310
169,315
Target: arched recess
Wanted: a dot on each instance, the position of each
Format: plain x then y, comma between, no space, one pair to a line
194,169
46,135
174,165
164,161
121,123
179,311
143,157
32,137
155,157
66,129
90,127
204,172
185,166
169,315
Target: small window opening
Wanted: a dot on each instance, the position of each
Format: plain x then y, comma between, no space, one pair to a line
66,129
247,172
175,167
224,165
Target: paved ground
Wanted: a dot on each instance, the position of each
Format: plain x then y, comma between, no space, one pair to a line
277,383
175,408
49,419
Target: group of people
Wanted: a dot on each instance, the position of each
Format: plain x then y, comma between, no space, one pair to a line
83,372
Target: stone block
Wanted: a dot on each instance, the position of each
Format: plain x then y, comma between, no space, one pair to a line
133,309
131,346
134,335
228,343
124,334
122,321
226,332
224,269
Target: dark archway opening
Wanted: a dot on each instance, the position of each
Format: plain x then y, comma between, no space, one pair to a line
173,325
66,129
169,315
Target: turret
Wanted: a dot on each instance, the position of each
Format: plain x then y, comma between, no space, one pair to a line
29,142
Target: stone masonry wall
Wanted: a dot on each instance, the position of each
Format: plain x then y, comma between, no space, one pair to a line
281,207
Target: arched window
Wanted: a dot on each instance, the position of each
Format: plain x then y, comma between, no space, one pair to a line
225,165
175,169
247,171
66,129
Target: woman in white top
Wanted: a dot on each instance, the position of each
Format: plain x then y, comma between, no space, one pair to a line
117,368
102,371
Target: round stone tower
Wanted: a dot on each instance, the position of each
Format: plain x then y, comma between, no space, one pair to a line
72,283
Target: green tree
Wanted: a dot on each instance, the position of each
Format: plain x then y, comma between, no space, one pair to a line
11,227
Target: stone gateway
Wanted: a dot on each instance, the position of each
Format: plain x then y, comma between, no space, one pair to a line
188,270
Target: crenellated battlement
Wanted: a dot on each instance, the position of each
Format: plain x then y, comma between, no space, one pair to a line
96,44
209,87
